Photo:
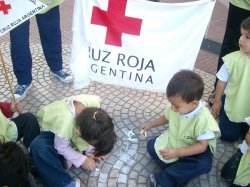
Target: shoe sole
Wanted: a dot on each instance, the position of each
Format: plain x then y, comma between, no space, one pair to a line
18,97
61,79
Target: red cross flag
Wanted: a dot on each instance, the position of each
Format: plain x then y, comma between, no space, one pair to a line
136,43
15,12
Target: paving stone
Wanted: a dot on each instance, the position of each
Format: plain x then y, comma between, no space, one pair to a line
129,163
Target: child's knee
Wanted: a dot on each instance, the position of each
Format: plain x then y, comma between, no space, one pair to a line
229,137
150,145
30,117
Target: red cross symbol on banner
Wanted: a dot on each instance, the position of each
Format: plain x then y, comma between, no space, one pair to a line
116,22
4,7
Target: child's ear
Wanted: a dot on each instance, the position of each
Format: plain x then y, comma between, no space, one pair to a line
194,103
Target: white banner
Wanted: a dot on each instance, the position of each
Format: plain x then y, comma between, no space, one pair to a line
136,43
15,12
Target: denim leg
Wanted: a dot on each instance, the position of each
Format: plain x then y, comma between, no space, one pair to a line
20,53
153,155
50,35
48,161
185,169
231,131
27,127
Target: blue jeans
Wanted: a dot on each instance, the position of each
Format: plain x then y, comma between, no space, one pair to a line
182,171
231,131
48,162
27,126
50,35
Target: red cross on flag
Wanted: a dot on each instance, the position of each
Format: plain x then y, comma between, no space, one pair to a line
136,43
15,12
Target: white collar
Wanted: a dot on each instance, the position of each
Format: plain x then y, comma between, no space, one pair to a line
195,112
71,107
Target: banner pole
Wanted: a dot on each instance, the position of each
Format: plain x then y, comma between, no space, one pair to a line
7,78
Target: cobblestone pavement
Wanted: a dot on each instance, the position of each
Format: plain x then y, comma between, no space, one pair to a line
128,164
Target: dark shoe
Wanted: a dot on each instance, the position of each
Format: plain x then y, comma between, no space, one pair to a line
151,181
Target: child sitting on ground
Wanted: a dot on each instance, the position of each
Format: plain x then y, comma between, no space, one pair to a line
233,81
24,126
14,166
76,129
185,150
237,169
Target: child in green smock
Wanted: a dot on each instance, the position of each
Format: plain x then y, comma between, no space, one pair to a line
185,150
74,129
231,101
24,126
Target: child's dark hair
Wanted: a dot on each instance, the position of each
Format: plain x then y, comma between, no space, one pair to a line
186,84
97,128
245,24
13,165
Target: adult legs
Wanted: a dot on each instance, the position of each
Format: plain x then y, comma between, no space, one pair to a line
50,35
20,53
48,161
27,127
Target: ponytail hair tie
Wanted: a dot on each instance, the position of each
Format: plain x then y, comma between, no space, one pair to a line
95,115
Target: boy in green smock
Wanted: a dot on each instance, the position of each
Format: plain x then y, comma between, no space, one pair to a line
231,101
185,150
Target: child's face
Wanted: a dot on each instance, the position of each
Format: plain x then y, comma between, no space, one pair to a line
244,41
181,106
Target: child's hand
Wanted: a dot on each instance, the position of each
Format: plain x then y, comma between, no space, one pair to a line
100,158
15,106
216,109
89,164
168,153
145,127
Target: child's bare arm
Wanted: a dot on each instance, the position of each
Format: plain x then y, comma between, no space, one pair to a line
158,122
220,87
248,138
194,149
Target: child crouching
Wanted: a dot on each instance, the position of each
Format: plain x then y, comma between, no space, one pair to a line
75,129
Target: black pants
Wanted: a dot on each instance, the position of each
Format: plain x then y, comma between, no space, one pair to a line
27,127
232,33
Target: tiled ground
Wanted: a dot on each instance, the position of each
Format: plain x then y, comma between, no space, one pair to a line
129,163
